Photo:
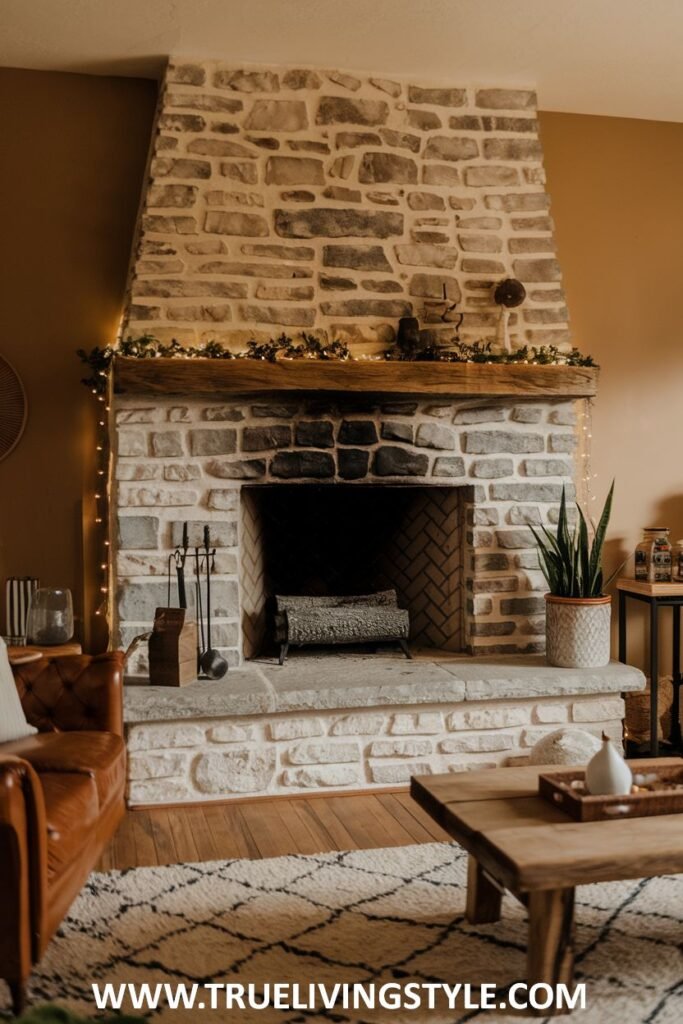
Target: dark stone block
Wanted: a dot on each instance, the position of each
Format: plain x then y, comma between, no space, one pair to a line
258,439
315,434
396,431
239,469
357,257
213,442
275,410
391,461
388,167
392,309
334,223
289,465
353,463
491,563
437,97
340,110
522,606
337,283
357,432
492,628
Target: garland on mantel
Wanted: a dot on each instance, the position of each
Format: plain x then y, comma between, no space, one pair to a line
311,347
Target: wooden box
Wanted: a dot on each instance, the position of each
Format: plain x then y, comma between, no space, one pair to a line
661,792
172,648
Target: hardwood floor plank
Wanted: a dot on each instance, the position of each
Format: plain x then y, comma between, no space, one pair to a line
267,829
332,828
183,837
124,844
368,822
145,848
162,834
421,816
405,819
307,836
203,835
227,833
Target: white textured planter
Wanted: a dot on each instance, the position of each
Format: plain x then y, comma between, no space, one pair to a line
577,631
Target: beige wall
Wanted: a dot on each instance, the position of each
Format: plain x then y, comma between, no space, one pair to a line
617,200
73,153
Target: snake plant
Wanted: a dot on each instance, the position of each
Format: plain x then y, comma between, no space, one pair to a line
571,564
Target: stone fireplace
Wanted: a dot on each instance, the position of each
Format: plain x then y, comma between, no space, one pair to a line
300,199
342,495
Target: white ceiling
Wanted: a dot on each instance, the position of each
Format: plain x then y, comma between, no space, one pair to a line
618,57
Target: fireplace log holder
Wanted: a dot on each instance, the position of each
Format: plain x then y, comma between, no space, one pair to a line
328,619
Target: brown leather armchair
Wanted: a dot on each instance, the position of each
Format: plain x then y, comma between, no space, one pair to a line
61,799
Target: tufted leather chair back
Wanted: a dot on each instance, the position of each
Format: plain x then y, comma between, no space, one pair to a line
73,693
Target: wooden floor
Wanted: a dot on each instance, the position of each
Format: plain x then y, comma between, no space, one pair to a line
268,828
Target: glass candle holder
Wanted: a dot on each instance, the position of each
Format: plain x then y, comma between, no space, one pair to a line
50,617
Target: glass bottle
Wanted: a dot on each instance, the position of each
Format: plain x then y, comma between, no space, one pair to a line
653,556
50,617
677,562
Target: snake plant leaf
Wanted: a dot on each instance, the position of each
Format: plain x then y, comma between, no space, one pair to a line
571,565
599,540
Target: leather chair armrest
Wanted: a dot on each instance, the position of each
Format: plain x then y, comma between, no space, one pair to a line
80,692
23,868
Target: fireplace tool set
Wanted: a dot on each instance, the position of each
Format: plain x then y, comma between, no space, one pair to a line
211,664
181,649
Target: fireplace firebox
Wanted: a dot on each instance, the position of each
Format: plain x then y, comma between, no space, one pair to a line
345,539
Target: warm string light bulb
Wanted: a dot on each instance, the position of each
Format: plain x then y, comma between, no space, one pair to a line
585,473
101,492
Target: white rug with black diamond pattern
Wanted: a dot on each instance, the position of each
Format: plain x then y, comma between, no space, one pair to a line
363,916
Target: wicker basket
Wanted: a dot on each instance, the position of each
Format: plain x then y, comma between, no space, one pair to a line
638,712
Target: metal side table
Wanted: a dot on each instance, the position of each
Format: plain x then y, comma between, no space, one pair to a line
656,595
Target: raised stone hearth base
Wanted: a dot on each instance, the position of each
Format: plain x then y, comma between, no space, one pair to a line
355,722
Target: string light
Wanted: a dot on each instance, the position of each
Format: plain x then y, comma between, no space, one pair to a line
585,473
101,493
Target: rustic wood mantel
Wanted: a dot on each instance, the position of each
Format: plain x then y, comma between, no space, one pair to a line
246,376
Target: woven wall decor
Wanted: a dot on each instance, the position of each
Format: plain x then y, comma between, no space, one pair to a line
13,408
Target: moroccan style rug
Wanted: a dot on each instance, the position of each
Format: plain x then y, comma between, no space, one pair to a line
382,916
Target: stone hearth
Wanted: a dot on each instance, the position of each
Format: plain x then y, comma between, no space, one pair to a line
355,722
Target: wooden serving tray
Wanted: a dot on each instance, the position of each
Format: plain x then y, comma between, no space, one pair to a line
660,792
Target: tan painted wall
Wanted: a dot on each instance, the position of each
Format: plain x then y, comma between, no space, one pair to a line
617,200
73,154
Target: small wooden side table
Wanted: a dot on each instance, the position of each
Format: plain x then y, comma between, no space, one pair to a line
31,652
656,595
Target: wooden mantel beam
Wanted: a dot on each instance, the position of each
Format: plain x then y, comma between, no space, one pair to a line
247,376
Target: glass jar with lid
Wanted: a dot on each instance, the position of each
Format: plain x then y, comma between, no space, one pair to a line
677,562
653,556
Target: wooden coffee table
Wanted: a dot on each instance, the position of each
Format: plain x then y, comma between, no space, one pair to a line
520,842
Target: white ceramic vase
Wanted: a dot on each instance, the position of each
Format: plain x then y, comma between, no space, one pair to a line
577,631
607,774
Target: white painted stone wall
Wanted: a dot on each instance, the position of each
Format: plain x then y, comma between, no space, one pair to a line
204,759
